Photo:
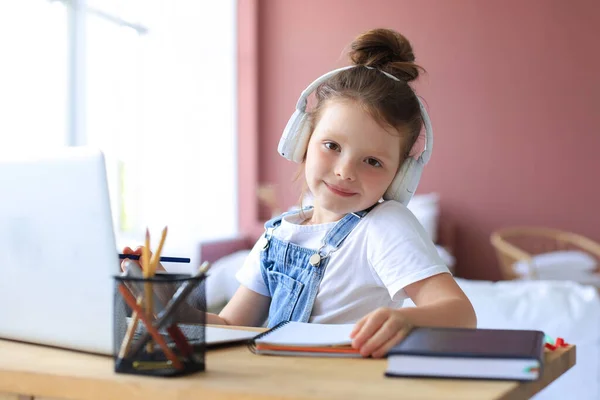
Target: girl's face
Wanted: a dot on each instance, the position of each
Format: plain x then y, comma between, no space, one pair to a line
350,161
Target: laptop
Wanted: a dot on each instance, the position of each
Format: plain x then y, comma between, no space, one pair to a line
58,253
57,250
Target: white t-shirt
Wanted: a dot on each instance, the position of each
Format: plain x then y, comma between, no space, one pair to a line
385,252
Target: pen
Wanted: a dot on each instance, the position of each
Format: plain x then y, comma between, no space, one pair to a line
165,259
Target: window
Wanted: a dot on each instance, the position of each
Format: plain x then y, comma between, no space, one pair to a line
33,73
150,82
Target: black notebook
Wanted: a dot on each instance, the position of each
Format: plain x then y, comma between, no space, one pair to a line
468,353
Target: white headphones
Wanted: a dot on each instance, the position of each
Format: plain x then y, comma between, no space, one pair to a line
294,142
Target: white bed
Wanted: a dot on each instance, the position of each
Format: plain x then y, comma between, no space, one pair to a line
559,308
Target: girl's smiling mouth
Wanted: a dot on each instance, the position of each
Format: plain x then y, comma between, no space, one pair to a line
339,191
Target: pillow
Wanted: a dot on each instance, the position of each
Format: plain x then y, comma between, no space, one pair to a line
563,264
426,208
448,258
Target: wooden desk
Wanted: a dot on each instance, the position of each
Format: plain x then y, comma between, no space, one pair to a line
235,372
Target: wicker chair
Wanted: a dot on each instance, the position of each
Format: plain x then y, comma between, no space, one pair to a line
522,243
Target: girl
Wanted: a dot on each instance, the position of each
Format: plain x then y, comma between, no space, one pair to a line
351,257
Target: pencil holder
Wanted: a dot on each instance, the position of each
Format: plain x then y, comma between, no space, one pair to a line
156,330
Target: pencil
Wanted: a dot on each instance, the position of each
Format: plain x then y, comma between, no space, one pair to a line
152,265
148,274
156,256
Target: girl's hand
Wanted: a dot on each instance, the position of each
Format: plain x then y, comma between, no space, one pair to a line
138,251
377,332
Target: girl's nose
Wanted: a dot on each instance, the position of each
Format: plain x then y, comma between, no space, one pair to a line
345,171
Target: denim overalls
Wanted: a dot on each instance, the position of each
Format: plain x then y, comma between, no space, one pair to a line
293,273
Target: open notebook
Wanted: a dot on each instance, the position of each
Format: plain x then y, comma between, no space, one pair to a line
305,339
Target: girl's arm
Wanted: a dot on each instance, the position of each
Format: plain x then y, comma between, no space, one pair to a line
246,308
439,302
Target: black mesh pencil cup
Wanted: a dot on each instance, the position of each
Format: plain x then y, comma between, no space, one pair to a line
159,324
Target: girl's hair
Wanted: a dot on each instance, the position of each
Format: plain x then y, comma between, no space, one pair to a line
391,103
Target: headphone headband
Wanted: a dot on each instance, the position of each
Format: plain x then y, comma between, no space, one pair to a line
302,101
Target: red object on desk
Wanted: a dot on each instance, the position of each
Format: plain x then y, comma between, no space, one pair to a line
560,342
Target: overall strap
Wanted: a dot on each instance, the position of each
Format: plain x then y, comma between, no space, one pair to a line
273,223
336,235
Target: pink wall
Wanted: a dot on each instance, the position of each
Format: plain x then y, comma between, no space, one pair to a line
512,90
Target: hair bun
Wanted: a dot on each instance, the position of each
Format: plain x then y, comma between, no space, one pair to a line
387,50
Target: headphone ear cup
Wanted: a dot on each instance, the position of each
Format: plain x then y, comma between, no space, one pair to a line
287,143
303,136
294,140
405,182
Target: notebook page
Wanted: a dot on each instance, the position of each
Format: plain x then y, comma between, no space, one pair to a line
306,334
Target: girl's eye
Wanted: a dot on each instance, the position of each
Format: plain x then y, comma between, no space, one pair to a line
332,146
373,162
